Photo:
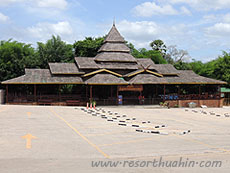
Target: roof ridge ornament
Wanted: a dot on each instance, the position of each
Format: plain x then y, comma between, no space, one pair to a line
113,21
145,68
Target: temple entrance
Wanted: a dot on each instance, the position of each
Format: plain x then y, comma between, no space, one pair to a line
131,94
102,94
130,97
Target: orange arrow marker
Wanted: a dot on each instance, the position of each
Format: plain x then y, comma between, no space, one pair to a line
28,113
28,138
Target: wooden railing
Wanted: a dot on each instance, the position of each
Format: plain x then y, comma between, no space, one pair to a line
190,97
47,99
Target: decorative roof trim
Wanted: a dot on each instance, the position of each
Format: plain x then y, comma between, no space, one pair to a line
102,70
137,72
145,70
157,74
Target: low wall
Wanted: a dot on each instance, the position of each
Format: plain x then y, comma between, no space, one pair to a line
2,97
208,103
52,104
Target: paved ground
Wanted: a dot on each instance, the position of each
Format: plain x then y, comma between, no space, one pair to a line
68,139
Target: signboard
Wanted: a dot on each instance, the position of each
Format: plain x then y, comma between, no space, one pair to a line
131,88
120,99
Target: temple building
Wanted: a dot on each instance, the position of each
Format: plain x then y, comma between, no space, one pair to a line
112,77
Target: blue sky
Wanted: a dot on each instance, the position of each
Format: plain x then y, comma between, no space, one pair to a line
202,27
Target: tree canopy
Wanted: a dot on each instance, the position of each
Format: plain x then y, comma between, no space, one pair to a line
155,55
54,50
14,57
158,45
88,47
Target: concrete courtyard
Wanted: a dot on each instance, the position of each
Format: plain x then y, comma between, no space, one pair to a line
71,139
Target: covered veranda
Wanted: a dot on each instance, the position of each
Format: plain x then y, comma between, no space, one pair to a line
49,94
73,94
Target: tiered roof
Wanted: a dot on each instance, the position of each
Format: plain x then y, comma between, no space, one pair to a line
114,49
102,70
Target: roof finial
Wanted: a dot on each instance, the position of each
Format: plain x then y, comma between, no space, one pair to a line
113,21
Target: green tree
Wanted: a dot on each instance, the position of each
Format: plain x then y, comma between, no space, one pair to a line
158,45
133,50
88,47
216,69
196,66
54,50
221,67
182,65
156,56
14,58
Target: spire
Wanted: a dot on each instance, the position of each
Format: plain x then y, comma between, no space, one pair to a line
114,35
113,21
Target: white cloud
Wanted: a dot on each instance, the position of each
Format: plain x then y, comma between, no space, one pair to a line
218,30
3,18
8,2
56,4
217,18
186,37
139,33
202,4
143,32
226,18
148,9
210,18
185,10
43,31
60,4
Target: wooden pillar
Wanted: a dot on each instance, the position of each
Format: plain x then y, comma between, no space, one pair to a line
164,93
7,93
219,92
199,95
219,89
156,91
178,99
178,90
91,92
117,93
86,92
111,91
35,92
59,92
156,95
